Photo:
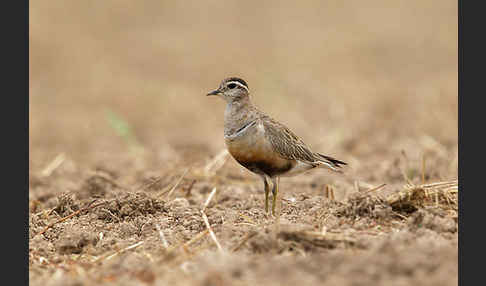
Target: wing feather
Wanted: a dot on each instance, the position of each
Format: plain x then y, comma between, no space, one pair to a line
290,146
286,143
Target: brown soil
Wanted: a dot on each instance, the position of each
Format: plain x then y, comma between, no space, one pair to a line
125,149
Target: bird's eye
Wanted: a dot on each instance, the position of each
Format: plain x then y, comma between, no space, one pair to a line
231,85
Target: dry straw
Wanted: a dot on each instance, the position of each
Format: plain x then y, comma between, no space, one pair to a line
440,194
53,165
206,221
214,165
88,207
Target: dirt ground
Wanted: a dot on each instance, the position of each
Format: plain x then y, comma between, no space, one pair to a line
127,156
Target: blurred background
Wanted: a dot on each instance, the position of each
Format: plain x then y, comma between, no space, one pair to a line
364,81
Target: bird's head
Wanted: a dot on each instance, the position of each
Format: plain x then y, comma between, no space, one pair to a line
232,89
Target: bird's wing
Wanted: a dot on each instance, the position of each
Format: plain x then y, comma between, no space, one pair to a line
285,142
290,146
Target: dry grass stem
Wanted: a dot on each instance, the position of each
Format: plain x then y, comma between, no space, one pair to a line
329,192
90,206
211,195
111,214
251,222
211,233
53,165
162,236
124,249
214,165
143,225
374,189
196,237
247,237
177,183
323,230
405,177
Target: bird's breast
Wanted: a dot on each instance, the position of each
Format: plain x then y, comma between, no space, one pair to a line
252,150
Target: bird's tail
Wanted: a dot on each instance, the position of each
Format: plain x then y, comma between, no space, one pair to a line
331,163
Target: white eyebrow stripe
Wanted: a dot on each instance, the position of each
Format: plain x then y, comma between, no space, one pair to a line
238,83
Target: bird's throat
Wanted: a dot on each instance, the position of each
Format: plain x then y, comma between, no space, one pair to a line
237,115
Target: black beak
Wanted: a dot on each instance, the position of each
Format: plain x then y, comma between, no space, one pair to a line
214,92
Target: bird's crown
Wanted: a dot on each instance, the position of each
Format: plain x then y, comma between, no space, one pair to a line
234,82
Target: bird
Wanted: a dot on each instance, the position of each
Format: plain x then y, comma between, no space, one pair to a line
263,145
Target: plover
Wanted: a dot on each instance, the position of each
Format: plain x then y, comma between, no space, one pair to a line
263,145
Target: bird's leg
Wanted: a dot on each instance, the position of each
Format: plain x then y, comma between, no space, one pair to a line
274,192
267,190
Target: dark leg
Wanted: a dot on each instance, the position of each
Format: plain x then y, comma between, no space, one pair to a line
274,192
267,190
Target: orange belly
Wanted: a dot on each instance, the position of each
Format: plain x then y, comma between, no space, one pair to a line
256,154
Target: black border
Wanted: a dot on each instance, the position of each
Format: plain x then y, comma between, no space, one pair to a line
15,141
22,36
471,66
